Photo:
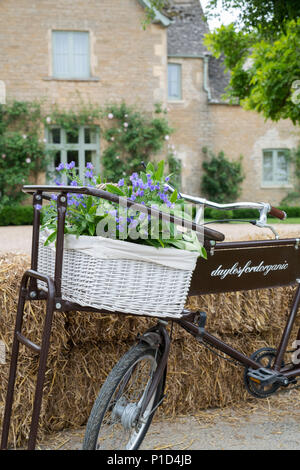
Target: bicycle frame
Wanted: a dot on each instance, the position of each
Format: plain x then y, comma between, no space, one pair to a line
249,276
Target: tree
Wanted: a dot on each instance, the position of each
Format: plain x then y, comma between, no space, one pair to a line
270,16
264,72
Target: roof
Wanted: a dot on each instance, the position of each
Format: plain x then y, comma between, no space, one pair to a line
185,39
187,30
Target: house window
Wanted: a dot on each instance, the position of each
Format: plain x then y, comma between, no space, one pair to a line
71,55
174,82
81,146
275,167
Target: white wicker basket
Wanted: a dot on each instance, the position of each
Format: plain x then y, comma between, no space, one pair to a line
116,277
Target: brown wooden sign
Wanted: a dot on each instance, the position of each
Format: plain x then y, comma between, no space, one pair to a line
246,266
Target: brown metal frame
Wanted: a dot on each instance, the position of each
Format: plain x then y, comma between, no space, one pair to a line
157,336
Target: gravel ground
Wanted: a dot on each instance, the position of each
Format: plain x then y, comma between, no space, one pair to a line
271,424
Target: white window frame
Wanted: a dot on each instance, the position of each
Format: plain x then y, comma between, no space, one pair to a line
275,182
178,96
63,147
71,73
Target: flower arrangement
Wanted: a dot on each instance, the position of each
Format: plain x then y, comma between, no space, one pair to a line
92,216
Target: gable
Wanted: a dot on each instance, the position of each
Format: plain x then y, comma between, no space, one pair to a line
159,17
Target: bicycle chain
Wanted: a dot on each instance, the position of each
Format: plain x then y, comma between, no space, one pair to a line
213,350
238,364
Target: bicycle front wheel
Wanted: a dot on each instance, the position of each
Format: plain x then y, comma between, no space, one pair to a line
113,423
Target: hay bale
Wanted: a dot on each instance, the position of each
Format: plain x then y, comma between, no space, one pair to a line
85,346
12,268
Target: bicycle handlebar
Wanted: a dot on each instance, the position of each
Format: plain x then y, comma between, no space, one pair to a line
125,202
277,213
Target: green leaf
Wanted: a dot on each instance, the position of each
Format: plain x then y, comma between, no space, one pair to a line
114,189
160,171
174,196
51,238
150,168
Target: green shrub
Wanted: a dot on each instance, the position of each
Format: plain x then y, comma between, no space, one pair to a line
221,214
16,215
222,178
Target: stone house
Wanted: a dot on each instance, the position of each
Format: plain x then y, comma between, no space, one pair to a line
97,50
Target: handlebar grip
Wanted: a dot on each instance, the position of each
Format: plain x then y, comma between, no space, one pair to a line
213,235
277,213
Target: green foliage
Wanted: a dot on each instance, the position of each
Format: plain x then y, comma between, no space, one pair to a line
132,137
269,16
175,168
16,215
87,215
22,151
263,71
71,119
222,178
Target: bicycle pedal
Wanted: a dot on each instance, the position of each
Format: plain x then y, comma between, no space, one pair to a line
265,376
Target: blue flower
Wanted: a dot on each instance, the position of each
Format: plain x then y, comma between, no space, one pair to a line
134,176
60,167
74,183
167,178
133,197
89,174
70,165
121,182
38,207
89,166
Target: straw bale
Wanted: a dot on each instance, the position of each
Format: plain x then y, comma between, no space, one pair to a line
85,346
11,269
78,382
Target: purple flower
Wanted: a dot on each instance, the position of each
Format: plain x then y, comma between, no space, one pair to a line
167,178
54,197
38,207
120,228
70,165
89,166
89,174
133,197
133,176
60,167
121,182
74,183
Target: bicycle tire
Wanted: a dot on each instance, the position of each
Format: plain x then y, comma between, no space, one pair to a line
122,412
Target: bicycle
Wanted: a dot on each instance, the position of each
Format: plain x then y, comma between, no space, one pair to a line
134,389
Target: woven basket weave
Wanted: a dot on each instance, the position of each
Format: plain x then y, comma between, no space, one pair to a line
124,285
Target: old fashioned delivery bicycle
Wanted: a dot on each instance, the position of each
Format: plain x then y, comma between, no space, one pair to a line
134,389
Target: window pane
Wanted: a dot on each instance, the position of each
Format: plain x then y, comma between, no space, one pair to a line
61,49
70,54
72,137
72,156
282,167
55,136
57,159
87,136
268,167
174,81
88,156
80,54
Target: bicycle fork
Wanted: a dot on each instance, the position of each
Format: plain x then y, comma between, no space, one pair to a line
158,338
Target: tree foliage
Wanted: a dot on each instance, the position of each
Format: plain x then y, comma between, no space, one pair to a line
264,73
269,16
